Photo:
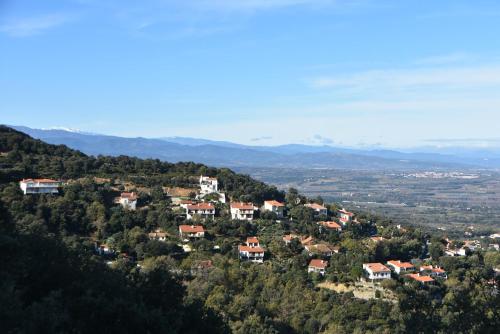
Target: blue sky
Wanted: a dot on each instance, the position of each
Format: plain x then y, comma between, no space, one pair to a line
345,72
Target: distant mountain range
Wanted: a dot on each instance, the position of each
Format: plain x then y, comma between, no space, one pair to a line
221,153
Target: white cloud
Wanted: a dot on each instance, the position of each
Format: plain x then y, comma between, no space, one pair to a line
408,78
23,27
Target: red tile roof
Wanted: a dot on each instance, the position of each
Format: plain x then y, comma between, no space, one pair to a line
343,211
242,206
400,264
274,203
201,206
191,228
244,248
130,196
252,240
423,279
377,267
321,264
331,225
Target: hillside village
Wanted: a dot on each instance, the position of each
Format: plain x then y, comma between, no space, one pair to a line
236,245
207,204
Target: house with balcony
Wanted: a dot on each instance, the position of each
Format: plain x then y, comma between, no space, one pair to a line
276,207
319,210
251,251
39,186
191,232
433,271
400,267
128,200
242,211
202,210
377,271
317,266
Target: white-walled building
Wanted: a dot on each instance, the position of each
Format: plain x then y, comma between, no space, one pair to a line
377,271
253,254
400,267
319,210
317,266
39,186
158,235
345,216
242,211
202,210
276,207
191,231
252,242
433,271
208,185
128,200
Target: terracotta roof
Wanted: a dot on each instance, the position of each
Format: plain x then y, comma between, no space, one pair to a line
343,211
252,240
377,239
191,228
331,225
400,264
242,206
318,264
377,267
315,206
131,196
201,206
244,248
274,203
423,279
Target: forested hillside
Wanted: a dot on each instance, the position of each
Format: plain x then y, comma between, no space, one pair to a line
54,278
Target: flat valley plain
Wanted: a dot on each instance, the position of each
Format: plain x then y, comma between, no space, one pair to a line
450,200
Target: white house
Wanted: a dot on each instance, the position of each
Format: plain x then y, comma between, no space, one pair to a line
191,231
317,266
251,253
345,216
319,210
39,186
128,200
158,235
400,267
202,210
208,185
252,242
377,271
242,211
433,271
276,207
